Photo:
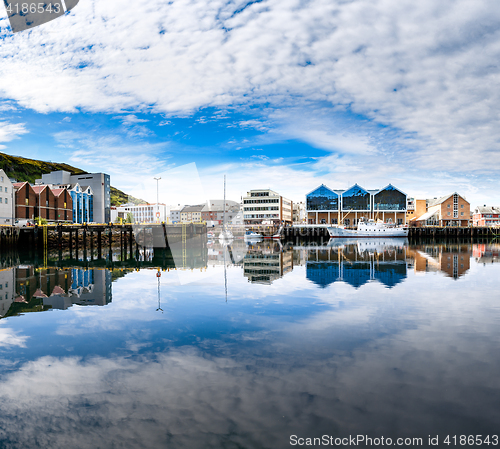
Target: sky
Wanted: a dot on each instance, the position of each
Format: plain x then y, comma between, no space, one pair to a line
280,94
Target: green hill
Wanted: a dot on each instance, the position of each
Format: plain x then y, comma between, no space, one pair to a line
23,169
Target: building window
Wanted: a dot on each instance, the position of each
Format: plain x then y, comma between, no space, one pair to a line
6,200
461,213
0,188
449,206
449,213
461,206
27,201
455,206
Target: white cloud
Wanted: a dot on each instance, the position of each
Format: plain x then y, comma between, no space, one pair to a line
10,131
424,68
10,338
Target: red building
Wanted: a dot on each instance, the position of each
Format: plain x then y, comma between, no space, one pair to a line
486,216
42,201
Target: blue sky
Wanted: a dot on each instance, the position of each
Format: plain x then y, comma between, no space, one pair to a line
286,94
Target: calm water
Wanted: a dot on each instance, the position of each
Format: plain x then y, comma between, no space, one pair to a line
253,344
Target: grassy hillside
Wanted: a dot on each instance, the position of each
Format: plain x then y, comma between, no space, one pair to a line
23,169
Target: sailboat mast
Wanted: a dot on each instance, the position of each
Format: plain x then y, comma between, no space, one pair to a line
224,206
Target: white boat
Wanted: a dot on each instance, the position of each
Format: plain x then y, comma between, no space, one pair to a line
251,235
370,228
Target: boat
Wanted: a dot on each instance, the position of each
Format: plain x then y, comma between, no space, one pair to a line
368,228
251,235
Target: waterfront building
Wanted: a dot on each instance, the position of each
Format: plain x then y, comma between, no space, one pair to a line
141,213
42,201
486,216
265,206
449,210
347,207
99,184
414,209
299,212
6,199
191,214
175,213
213,211
25,200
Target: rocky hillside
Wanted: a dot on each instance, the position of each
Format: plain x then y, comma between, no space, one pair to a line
23,169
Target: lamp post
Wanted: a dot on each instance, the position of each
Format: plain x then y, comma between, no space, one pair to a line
157,200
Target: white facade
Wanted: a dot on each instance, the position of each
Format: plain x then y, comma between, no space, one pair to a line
7,288
175,213
6,200
142,213
266,206
299,213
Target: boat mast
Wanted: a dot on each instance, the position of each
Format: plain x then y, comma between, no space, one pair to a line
224,206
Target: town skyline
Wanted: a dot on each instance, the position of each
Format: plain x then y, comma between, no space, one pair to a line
328,96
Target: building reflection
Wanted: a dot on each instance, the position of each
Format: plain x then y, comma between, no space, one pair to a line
24,288
451,259
266,261
484,253
358,262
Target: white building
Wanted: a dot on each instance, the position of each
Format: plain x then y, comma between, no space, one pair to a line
7,287
6,200
299,212
266,207
142,213
175,213
98,182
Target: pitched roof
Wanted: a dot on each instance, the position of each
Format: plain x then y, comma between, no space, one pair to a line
487,210
57,191
38,189
196,208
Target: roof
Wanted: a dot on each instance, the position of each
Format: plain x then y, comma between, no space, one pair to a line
436,201
19,184
57,191
427,215
38,189
196,208
487,210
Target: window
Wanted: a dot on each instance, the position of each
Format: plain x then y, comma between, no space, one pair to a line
6,200
0,188
0,200
2,178
5,188
449,213
461,206
356,198
449,206
27,201
389,199
461,213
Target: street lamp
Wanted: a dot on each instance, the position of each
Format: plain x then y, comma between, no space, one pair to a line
157,200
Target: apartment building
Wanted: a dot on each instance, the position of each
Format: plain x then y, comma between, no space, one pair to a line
486,216
265,206
6,199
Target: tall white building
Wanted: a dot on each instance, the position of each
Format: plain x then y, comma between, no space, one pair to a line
266,207
6,200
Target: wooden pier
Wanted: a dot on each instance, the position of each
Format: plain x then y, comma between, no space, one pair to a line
414,233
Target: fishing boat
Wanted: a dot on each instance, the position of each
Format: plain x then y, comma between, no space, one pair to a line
251,235
368,228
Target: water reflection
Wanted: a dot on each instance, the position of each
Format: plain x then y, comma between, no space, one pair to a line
372,338
25,288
